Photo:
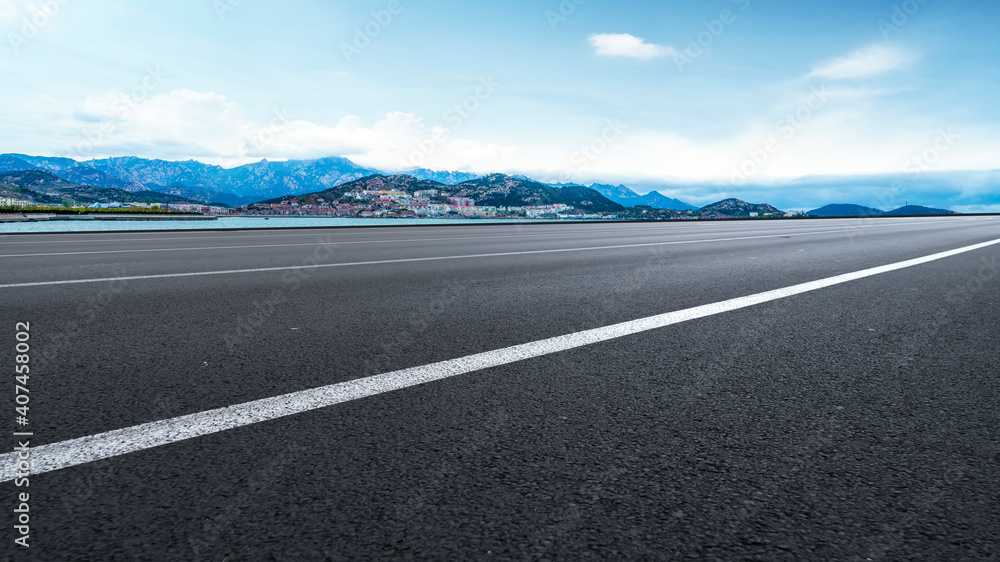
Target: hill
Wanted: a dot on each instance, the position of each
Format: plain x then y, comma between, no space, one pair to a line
496,190
409,184
845,210
45,188
739,209
911,210
38,180
12,191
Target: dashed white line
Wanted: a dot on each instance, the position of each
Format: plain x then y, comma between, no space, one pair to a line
119,442
315,243
403,260
81,237
277,233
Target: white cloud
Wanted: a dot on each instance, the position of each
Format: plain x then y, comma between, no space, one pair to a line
626,45
836,140
207,126
865,62
976,208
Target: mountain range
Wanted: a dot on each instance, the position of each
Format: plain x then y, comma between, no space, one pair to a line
195,180
849,210
629,198
44,188
259,181
192,181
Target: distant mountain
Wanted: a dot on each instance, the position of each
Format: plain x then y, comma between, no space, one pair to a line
45,188
257,181
736,208
495,190
203,182
918,210
625,196
67,169
11,163
846,210
203,195
447,178
48,163
267,180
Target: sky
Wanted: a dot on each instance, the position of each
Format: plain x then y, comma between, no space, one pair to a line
789,102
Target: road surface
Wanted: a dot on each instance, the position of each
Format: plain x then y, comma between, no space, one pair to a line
563,392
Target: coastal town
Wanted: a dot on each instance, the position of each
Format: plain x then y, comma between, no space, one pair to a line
428,203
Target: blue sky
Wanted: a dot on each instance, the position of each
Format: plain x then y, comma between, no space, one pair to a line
700,99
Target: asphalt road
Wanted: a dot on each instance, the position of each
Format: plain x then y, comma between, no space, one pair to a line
854,422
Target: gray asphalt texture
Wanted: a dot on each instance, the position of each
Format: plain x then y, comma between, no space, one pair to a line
859,422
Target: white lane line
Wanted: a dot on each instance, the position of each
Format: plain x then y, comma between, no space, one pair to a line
46,458
296,233
405,260
278,234
315,243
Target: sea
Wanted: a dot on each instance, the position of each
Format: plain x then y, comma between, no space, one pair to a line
224,223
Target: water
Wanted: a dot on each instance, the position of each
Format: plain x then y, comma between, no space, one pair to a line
232,223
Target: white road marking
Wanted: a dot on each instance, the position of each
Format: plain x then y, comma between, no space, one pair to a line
315,243
278,233
79,237
405,260
56,456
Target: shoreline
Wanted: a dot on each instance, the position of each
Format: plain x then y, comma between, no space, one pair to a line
49,217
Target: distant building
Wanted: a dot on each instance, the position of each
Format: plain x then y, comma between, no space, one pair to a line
10,202
546,210
462,201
